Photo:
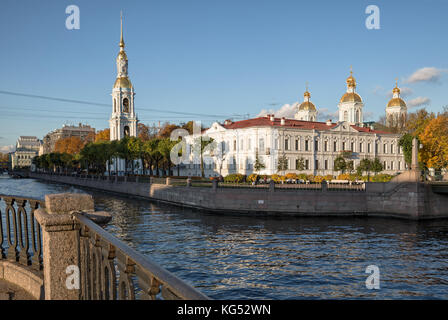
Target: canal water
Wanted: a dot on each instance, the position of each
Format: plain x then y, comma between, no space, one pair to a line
246,257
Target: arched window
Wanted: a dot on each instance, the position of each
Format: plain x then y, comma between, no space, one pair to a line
126,105
115,105
357,118
345,116
126,131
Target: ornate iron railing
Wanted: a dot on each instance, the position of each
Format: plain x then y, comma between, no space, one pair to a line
20,233
112,270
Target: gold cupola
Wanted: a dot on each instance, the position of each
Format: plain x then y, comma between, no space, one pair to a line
307,105
396,101
351,95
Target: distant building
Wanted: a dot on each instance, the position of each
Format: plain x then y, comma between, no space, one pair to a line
26,149
396,110
303,144
82,131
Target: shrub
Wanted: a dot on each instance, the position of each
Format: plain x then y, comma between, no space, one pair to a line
292,176
328,177
310,177
319,179
252,177
344,176
235,178
276,178
381,178
302,176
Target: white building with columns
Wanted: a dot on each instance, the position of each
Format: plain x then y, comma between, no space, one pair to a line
317,143
123,121
396,110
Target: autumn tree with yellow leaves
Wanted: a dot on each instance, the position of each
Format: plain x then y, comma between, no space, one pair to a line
434,138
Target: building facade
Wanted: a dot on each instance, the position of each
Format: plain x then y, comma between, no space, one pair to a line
318,144
27,148
396,110
83,131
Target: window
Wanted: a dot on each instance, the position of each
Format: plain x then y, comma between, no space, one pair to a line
317,164
391,165
261,144
391,148
326,164
307,164
306,145
343,146
126,105
360,147
297,144
335,146
385,148
352,147
286,144
126,131
316,145
325,145
399,165
368,148
345,116
234,145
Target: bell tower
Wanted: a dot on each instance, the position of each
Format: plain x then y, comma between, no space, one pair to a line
123,121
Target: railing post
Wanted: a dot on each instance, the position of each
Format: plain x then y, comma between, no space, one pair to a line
61,244
168,181
188,182
271,186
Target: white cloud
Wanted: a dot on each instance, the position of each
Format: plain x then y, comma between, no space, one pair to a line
427,74
419,101
287,110
323,114
6,149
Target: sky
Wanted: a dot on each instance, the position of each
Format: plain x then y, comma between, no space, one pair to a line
214,59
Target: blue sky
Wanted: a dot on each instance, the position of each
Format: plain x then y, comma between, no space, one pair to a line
224,58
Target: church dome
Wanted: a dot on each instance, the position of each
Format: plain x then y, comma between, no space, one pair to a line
350,97
123,82
396,102
307,106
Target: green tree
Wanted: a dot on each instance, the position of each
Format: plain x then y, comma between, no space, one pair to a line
376,166
199,146
365,165
258,165
282,164
406,143
340,164
300,164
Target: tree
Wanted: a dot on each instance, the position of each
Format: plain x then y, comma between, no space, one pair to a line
376,166
435,143
340,164
103,135
405,143
258,165
143,132
417,121
282,163
165,131
200,145
70,145
300,164
165,146
365,165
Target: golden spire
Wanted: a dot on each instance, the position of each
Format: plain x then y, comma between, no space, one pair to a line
121,38
351,82
306,94
396,89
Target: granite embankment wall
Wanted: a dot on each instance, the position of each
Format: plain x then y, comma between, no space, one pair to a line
404,200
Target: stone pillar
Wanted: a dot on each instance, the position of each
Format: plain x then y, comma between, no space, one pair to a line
168,181
60,241
188,182
414,165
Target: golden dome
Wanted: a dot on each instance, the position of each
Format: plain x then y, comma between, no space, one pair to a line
396,90
307,94
123,82
307,106
396,102
351,97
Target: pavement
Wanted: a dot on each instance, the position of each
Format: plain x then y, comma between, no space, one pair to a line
9,291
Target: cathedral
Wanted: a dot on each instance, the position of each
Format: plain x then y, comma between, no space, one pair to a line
123,121
303,140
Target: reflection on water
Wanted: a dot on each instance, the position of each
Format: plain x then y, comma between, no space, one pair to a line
242,257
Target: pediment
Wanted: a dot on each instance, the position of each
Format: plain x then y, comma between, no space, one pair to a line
343,127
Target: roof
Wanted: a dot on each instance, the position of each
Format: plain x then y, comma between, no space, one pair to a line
292,123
